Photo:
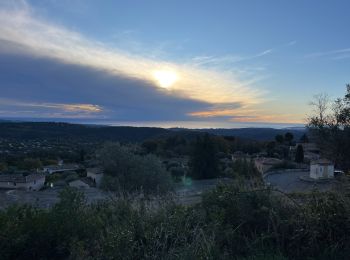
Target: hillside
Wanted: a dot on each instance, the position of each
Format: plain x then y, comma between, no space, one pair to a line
37,130
49,130
260,134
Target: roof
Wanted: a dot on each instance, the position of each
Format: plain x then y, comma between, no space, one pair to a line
61,167
322,162
20,178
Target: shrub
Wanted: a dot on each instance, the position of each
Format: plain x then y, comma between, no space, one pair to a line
129,172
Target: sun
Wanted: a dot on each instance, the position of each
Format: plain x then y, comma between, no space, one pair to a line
165,78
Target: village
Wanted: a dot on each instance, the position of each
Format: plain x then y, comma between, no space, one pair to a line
41,186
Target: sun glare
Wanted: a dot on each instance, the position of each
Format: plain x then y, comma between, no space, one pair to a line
165,78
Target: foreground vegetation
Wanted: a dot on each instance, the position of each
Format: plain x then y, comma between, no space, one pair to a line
231,223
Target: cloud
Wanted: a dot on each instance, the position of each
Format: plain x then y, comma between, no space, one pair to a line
337,54
10,107
226,61
45,66
263,53
40,81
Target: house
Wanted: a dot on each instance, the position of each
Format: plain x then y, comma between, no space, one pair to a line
264,164
95,174
50,169
78,184
321,169
22,181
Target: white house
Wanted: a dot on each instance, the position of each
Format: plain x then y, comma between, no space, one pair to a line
50,169
321,169
21,181
95,174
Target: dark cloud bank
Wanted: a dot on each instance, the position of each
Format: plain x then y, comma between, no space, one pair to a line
29,79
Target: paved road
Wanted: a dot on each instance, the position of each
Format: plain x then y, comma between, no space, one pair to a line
289,181
188,192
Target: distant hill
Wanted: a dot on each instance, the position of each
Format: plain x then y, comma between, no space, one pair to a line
49,130
37,130
261,134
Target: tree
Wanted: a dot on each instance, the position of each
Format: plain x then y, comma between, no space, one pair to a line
299,155
30,164
82,155
330,126
3,166
320,105
204,162
270,148
304,138
279,138
150,146
288,137
128,172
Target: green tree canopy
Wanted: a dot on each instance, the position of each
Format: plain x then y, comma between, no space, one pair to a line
288,137
304,138
126,171
299,155
30,164
204,162
279,138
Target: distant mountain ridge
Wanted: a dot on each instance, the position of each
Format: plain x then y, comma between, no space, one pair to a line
38,130
49,130
261,134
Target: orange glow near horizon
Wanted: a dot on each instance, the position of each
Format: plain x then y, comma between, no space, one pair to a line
248,116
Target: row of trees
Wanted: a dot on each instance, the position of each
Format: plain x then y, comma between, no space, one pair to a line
287,138
129,169
330,126
204,163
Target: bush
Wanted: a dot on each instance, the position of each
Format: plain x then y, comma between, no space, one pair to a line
177,172
204,163
129,172
232,222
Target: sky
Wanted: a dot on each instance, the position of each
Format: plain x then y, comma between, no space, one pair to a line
171,63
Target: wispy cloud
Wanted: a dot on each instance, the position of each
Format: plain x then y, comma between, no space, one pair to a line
226,61
332,54
19,107
263,53
272,118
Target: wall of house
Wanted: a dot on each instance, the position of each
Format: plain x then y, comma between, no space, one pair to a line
33,185
321,171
